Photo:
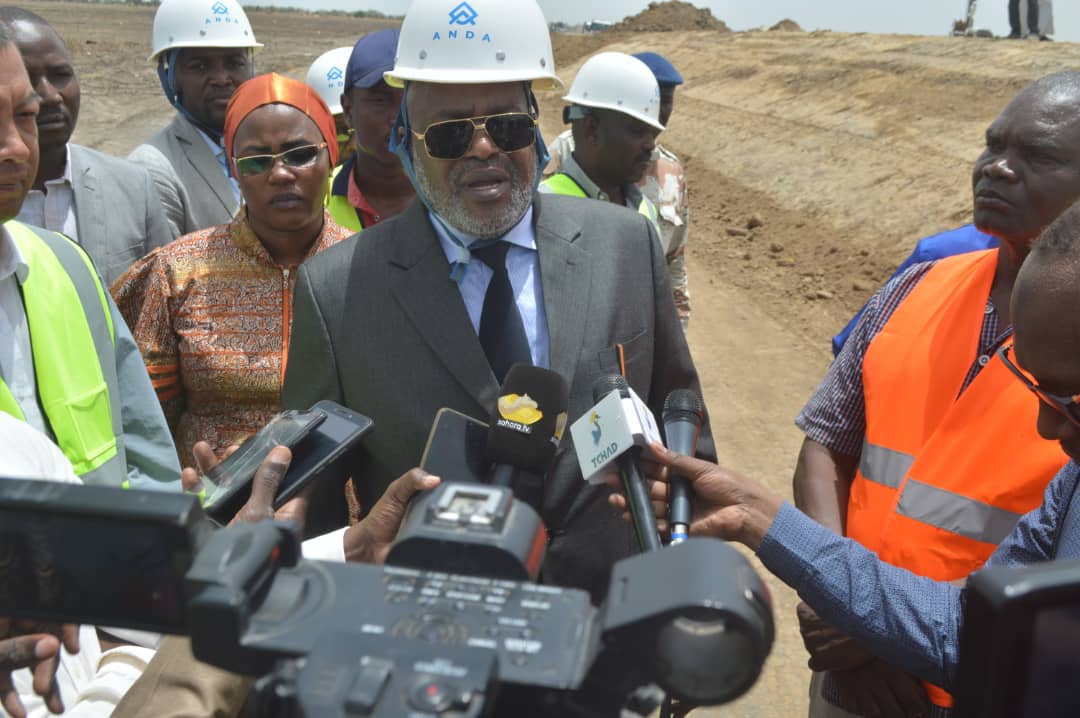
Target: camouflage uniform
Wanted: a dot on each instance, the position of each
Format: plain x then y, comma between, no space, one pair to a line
664,183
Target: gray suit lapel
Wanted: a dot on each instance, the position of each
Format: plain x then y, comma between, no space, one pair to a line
202,159
434,305
89,203
565,277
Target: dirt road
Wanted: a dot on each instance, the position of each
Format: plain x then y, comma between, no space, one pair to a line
841,149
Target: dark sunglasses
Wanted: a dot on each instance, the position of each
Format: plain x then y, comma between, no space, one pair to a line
296,158
451,139
1067,406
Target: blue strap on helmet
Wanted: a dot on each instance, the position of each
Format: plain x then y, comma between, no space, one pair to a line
166,72
400,139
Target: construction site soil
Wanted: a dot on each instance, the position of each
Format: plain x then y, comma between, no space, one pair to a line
815,161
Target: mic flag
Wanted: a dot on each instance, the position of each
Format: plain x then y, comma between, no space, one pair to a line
529,419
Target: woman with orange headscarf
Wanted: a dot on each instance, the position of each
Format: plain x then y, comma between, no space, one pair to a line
212,311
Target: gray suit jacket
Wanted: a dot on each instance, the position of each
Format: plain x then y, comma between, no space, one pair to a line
380,327
195,191
117,211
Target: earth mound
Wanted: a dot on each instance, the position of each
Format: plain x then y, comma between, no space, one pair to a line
671,16
786,25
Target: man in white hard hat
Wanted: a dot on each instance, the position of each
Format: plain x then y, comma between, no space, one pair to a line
327,77
430,308
204,51
663,181
614,116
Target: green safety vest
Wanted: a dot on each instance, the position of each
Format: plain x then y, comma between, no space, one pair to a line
338,204
72,341
562,183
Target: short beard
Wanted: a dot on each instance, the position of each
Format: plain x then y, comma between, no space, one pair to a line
449,207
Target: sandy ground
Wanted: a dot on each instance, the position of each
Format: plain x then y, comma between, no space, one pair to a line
845,149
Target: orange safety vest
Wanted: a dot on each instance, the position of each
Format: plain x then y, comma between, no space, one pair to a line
944,477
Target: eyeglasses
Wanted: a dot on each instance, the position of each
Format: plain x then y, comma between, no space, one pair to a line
297,158
451,139
1067,406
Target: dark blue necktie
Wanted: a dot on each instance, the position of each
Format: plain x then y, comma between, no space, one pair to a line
502,333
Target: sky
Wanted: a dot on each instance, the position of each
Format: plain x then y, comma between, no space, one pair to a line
918,17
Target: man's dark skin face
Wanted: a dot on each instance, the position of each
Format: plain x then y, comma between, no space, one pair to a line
1029,172
19,106
52,76
1047,342
206,77
370,112
667,103
617,149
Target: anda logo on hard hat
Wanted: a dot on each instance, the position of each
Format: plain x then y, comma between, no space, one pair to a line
335,77
221,15
463,14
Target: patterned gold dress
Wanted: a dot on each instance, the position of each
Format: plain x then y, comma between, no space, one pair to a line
212,314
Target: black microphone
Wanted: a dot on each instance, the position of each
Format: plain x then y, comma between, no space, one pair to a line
637,494
525,429
683,414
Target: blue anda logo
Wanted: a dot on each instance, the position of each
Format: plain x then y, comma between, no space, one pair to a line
463,14
220,8
335,74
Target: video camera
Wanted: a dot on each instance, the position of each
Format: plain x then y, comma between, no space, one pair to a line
453,625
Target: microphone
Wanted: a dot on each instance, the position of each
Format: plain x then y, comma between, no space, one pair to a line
637,495
525,429
683,414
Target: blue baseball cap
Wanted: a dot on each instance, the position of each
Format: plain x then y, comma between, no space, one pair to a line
371,56
665,72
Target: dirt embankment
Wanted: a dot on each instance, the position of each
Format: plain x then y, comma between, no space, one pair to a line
671,16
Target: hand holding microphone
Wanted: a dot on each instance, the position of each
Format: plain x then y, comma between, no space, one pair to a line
683,414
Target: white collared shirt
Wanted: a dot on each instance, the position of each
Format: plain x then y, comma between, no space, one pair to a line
16,356
523,268
55,207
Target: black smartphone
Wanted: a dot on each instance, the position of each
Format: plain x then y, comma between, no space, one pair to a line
318,455
230,481
456,448
97,555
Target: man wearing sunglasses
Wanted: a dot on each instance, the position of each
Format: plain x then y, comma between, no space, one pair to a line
919,443
908,620
430,308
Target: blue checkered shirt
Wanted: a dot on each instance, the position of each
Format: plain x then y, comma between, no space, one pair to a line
835,416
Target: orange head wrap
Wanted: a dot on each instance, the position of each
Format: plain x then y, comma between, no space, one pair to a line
273,88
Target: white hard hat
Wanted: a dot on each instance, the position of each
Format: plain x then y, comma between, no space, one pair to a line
474,41
327,76
620,82
201,23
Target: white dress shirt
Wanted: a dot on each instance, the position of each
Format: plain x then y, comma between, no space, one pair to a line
55,207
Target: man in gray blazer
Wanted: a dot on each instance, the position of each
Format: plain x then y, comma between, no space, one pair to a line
106,204
395,322
204,52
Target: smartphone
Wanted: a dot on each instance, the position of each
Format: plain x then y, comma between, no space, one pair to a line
319,455
456,448
231,479
97,555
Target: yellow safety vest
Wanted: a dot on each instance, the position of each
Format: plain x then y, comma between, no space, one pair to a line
72,341
338,204
562,183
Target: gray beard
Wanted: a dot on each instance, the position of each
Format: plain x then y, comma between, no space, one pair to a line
447,205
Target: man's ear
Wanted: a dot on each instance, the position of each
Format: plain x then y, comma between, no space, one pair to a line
346,109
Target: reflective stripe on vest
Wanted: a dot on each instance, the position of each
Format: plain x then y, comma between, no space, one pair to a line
562,183
69,322
944,476
339,207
